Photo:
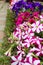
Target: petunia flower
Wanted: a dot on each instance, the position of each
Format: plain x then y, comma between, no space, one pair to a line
37,27
36,13
31,20
26,42
20,50
38,51
36,41
17,33
8,53
29,60
41,17
17,60
22,17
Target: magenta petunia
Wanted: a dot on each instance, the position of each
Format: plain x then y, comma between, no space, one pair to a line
37,27
30,60
17,60
38,51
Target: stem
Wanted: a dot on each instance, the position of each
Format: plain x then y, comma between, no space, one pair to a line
34,55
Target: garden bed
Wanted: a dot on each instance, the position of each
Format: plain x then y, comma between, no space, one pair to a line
18,23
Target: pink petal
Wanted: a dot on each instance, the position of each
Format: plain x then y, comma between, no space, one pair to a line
36,62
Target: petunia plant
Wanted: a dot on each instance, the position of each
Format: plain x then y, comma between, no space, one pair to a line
25,39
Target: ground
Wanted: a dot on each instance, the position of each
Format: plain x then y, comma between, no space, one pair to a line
3,13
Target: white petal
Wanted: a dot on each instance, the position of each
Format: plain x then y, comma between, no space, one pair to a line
42,52
23,33
20,57
30,59
38,42
36,62
33,29
13,58
29,54
29,30
16,33
41,16
18,52
32,34
38,30
24,36
27,64
33,25
20,63
14,63
37,23
27,40
33,49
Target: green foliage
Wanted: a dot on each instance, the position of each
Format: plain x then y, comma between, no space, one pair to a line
39,34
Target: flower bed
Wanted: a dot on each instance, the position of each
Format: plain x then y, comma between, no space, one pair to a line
26,37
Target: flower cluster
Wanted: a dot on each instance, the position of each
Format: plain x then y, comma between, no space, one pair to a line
23,5
29,47
24,36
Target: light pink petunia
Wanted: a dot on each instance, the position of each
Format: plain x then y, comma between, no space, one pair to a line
24,34
36,41
37,27
20,50
37,51
29,60
17,33
17,60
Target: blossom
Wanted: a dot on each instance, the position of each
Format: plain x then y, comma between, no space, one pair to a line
37,4
37,27
20,50
16,5
8,53
21,17
38,51
41,17
26,42
32,20
17,33
24,34
36,41
29,60
35,13
17,60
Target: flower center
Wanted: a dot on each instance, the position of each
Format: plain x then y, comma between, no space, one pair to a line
36,26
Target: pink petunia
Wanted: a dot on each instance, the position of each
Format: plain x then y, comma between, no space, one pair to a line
37,27
17,60
24,34
31,20
20,50
22,17
17,33
38,51
36,41
29,60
